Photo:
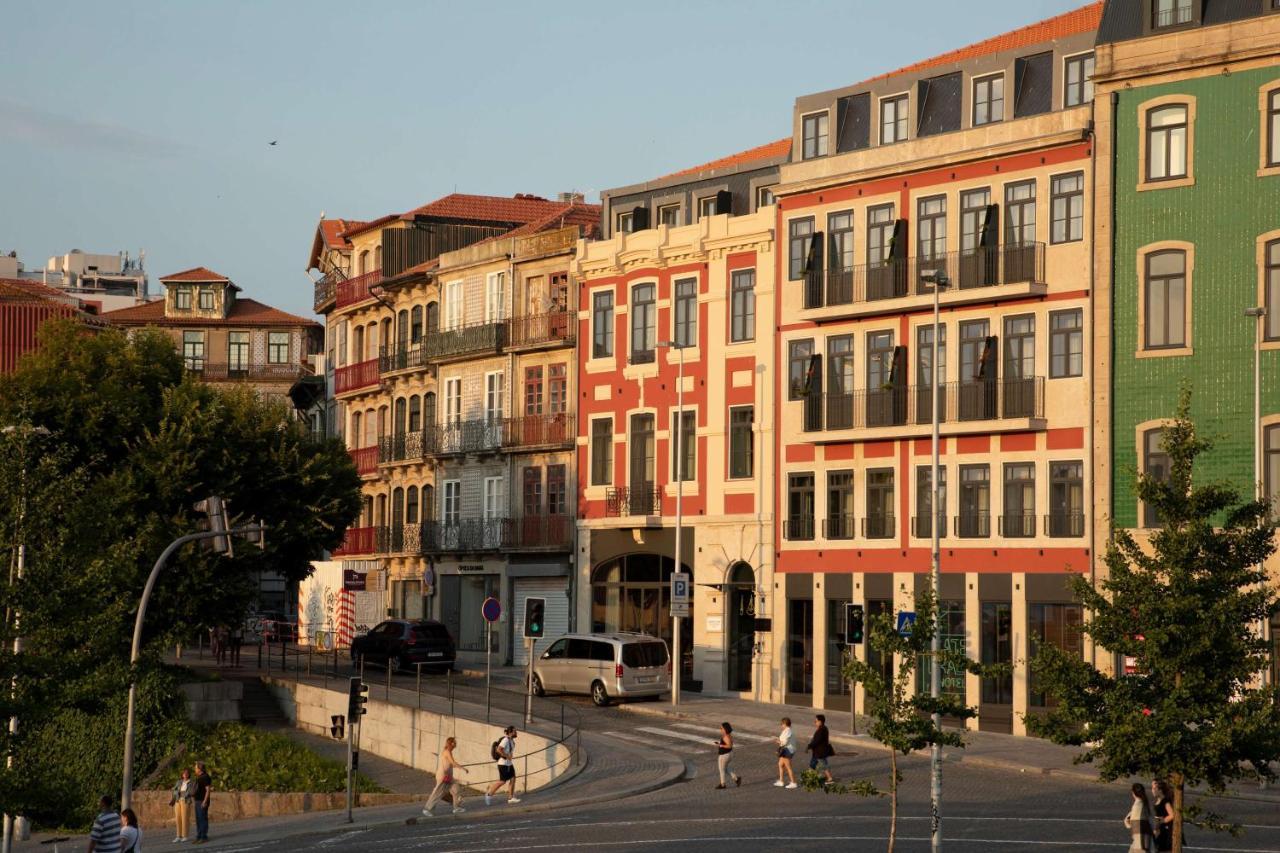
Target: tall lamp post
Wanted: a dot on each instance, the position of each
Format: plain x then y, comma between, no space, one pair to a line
940,280
678,468
1259,316
17,825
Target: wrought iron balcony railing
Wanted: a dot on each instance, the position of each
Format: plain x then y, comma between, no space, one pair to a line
1064,524
356,377
633,500
239,372
973,525
839,526
357,540
921,529
365,459
476,535
460,341
1018,525
402,356
489,435
879,526
399,539
798,528
892,279
402,447
995,399
353,290
531,431
554,327
326,292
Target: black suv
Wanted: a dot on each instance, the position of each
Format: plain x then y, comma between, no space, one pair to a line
401,643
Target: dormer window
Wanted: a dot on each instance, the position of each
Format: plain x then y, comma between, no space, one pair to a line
206,299
1079,80
815,135
182,298
1171,13
893,120
988,99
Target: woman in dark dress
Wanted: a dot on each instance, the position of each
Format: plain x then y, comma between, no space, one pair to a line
1162,813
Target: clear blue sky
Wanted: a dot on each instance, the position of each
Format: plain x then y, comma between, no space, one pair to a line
129,125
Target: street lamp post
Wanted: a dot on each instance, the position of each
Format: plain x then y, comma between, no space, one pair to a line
678,468
1259,315
939,280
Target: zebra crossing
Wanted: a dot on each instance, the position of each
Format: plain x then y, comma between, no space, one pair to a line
682,738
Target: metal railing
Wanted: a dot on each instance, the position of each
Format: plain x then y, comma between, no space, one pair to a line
554,327
642,356
354,290
798,528
996,399
973,525
880,526
399,539
233,372
357,540
365,459
356,377
633,500
402,447
893,279
548,430
921,529
1064,524
473,535
326,291
402,356
479,435
486,337
839,526
1018,525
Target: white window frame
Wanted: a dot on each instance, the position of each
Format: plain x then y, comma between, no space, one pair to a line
495,297
973,113
1087,83
880,118
821,143
452,400
451,502
453,304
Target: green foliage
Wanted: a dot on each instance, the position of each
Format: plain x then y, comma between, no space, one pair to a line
242,758
112,446
812,780
1185,606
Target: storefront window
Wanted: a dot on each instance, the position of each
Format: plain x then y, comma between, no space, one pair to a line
460,599
837,686
997,648
1058,625
800,647
951,631
633,593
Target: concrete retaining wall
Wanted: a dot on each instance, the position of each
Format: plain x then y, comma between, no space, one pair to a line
213,701
154,810
414,737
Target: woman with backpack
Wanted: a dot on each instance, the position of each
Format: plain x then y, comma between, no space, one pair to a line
446,778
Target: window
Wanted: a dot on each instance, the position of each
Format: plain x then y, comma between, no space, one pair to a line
764,197
741,442
644,323
975,501
669,215
1271,284
742,305
1271,466
1167,142
602,451
879,234
411,505
1079,80
687,312
1066,499
451,506
879,504
988,99
1273,127
415,325
453,400
415,413
643,467
1170,13
1066,343
798,355
1020,210
182,298
925,396
206,299
1066,208
1019,500
238,352
533,390
624,222
840,518
931,229
840,241
1055,625
277,347
557,389
893,120
815,136
800,506
557,490
453,305
924,501
707,206
532,491
602,324
1155,463
997,648
495,304
684,467
193,349
799,234
1165,292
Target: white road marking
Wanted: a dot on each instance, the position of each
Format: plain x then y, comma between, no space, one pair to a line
736,733
702,739
343,837
826,839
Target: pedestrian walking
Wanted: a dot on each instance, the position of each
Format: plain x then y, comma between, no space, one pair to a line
1163,815
224,641
820,748
786,750
503,751
130,832
183,805
215,648
446,778
105,835
237,640
724,751
1138,821
201,797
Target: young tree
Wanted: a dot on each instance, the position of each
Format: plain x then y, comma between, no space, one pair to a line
901,718
1186,608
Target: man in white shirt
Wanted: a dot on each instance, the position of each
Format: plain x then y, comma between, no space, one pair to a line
505,751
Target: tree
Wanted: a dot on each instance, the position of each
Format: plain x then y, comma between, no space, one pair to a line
1185,607
132,443
901,718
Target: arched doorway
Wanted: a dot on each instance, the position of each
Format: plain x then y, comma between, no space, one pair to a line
740,601
633,593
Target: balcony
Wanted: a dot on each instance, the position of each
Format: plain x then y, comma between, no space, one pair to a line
973,274
1018,525
633,500
365,459
215,372
839,526
463,341
356,377
556,328
529,432
973,525
326,292
399,539
402,357
798,528
491,435
353,290
402,447
921,529
911,407
470,536
878,527
357,540
1061,525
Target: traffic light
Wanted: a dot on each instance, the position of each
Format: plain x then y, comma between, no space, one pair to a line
535,610
357,698
338,729
853,624
215,511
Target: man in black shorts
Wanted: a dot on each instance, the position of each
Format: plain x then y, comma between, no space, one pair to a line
505,753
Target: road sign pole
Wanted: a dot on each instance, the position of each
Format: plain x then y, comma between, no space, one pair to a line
352,721
488,667
528,696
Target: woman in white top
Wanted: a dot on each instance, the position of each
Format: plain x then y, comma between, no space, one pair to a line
1138,821
446,778
786,749
130,833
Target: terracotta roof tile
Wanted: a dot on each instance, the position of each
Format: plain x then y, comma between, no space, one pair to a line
1071,23
244,312
331,230
195,274
27,292
514,210
777,149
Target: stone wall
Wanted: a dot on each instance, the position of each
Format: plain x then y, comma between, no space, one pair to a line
213,701
154,810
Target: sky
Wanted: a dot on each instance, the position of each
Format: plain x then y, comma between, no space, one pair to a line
145,125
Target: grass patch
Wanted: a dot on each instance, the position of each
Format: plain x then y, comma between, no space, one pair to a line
242,758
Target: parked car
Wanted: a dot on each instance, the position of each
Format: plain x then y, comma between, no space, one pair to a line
604,666
401,643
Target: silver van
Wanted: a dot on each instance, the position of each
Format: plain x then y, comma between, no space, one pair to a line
604,666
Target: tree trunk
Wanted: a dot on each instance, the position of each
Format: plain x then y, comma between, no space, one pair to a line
1178,786
893,798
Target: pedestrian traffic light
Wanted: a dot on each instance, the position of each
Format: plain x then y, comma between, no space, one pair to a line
357,698
853,624
535,610
338,729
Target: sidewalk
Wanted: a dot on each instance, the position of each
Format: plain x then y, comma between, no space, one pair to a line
1021,755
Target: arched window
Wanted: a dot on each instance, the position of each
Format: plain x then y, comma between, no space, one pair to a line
428,502
357,345
433,316
411,505
373,337
740,574
1166,299
366,511
382,420
377,257
1271,288
429,408
415,413
415,325
362,266
397,506
354,434
1156,463
1167,142
402,327
401,414
380,511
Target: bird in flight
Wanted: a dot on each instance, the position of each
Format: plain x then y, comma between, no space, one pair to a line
272,142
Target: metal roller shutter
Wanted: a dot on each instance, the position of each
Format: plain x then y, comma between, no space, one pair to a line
557,613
